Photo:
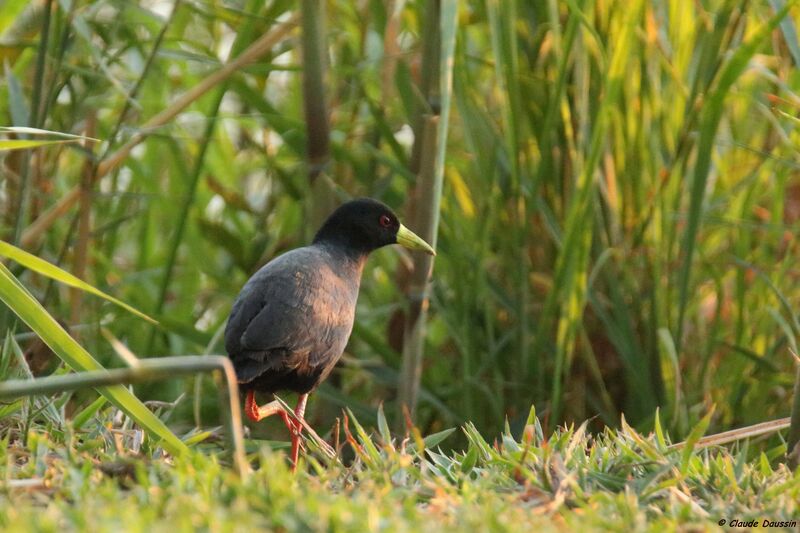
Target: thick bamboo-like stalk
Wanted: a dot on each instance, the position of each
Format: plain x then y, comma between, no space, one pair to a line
428,194
251,54
429,78
33,121
315,107
421,164
148,370
80,256
417,296
314,97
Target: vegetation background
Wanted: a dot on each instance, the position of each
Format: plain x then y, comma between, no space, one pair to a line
614,196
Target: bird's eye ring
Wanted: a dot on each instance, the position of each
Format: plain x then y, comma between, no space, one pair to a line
385,221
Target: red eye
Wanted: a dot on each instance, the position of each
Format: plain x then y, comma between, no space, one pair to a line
386,221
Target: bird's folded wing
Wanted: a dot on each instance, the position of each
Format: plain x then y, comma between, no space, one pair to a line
278,325
290,314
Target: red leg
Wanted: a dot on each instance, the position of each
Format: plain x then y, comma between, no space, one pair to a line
256,413
299,411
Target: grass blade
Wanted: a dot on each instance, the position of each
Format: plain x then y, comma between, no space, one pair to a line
25,306
6,145
45,268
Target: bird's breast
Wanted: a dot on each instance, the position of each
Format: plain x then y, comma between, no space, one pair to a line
335,299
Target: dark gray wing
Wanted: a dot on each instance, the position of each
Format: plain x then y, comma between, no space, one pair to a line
296,311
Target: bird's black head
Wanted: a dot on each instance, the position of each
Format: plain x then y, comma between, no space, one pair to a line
363,225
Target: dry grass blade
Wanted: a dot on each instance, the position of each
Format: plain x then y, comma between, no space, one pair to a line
121,350
756,430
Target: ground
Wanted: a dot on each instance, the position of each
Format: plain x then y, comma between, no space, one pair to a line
618,480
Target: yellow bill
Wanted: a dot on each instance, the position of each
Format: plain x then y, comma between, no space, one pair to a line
409,239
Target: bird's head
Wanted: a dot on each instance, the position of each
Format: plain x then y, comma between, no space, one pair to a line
365,225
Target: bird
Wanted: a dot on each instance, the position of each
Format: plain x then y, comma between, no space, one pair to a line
292,319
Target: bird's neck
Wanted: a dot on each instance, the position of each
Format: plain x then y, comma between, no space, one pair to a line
352,256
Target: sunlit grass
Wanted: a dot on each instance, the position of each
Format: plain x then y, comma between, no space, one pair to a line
615,176
617,480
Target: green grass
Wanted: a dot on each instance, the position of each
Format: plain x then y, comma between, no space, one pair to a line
617,203
59,479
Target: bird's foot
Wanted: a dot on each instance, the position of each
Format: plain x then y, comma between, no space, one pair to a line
257,413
